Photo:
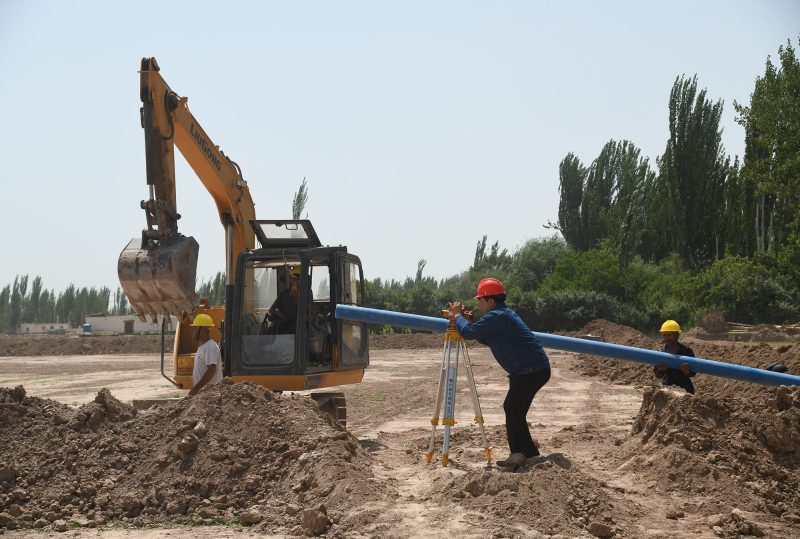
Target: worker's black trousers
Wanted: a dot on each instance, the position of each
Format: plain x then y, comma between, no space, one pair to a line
521,391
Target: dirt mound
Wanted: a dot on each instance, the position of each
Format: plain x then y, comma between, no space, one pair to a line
73,345
790,356
617,370
736,449
701,334
762,333
767,333
614,333
547,495
756,356
233,453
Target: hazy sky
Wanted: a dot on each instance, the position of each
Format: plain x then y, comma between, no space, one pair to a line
419,126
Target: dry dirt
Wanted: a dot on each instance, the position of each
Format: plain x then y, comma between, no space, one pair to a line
78,344
762,333
90,345
620,458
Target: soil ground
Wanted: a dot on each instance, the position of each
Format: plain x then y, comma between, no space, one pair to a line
619,457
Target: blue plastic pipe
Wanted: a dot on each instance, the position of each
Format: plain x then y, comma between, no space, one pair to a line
651,357
582,346
391,318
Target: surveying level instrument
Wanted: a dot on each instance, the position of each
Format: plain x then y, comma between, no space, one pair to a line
446,391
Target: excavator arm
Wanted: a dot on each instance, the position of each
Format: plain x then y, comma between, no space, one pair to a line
158,270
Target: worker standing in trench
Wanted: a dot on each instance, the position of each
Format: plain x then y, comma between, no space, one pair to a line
516,350
670,332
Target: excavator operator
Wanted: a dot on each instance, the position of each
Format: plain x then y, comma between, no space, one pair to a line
285,306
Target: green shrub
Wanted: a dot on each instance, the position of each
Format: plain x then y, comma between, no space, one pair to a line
570,310
746,290
594,270
533,262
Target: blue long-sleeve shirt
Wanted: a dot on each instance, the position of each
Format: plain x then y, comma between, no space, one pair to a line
512,343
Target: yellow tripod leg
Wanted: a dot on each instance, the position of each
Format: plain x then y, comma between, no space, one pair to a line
439,397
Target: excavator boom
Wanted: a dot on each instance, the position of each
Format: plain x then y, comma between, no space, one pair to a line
158,270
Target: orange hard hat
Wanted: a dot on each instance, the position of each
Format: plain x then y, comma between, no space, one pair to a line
490,287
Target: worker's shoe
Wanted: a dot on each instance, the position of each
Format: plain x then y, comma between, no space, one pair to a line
514,461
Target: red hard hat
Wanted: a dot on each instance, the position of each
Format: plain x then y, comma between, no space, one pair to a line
490,287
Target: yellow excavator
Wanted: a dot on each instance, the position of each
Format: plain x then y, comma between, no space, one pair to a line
157,271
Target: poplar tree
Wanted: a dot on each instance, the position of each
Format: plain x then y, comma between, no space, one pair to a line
299,200
32,302
627,216
693,170
598,195
17,295
740,206
773,122
5,307
571,179
772,150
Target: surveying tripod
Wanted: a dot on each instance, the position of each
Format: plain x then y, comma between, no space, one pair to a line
446,391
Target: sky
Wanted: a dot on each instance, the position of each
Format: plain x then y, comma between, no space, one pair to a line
418,126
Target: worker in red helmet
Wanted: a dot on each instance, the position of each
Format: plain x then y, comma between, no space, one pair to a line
516,350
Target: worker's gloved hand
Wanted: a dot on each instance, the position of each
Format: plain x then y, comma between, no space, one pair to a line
456,308
663,367
685,369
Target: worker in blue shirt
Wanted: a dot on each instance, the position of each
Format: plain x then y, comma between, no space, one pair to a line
516,350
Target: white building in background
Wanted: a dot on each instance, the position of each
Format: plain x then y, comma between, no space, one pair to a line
128,324
44,328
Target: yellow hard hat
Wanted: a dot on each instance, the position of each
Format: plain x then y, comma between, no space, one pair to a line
296,270
203,320
671,326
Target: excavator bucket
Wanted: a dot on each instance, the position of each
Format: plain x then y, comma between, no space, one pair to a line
160,278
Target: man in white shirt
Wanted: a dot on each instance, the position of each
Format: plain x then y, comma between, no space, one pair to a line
207,362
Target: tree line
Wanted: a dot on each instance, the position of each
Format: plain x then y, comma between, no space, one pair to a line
641,242
695,202
24,304
25,301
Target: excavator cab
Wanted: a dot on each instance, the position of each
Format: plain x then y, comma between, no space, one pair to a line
313,350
